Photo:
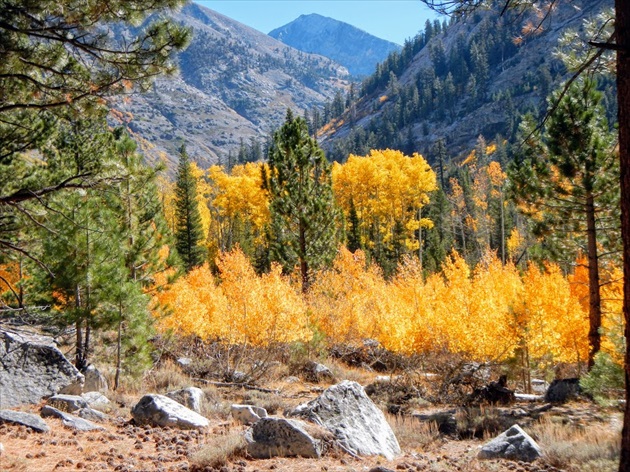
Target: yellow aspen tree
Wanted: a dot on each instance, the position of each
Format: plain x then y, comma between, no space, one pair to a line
386,188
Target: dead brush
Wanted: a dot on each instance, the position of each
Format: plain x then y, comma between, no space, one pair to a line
218,452
479,422
166,376
591,448
413,433
271,402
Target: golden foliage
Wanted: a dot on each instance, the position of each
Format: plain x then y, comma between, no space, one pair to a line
240,307
611,293
483,314
550,318
240,193
385,187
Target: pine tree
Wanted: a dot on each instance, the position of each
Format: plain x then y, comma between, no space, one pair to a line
566,180
303,213
188,231
47,80
142,233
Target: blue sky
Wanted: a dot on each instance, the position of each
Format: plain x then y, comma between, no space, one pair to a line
394,20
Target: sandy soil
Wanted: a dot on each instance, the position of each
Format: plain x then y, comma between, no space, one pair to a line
126,447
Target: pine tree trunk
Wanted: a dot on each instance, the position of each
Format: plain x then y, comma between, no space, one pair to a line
79,355
594,300
118,348
303,261
622,29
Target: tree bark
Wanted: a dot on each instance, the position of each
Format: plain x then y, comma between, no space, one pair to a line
594,299
622,31
303,260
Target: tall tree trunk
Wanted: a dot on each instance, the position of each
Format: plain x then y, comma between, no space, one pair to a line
79,355
622,30
303,260
118,348
594,299
502,228
420,238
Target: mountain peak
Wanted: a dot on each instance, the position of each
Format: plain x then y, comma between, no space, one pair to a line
351,47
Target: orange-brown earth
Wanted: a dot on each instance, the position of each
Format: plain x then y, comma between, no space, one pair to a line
124,446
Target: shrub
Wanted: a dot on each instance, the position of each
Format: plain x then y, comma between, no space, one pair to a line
605,381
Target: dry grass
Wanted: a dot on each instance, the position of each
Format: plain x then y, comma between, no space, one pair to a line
342,372
272,403
413,434
218,451
166,377
590,448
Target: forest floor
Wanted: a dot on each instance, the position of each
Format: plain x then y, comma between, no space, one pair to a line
579,436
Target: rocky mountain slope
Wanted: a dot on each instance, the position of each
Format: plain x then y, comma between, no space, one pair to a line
475,77
351,47
234,84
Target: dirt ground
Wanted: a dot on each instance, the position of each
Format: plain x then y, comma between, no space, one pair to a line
122,446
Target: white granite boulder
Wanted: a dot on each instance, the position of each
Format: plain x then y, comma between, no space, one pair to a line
32,368
70,421
95,399
280,437
359,427
67,403
514,444
158,410
26,419
94,380
190,397
247,414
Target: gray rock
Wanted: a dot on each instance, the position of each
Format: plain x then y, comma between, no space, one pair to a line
539,386
513,444
68,420
32,368
95,399
27,419
67,403
184,361
247,414
190,397
527,397
358,425
92,415
316,372
158,410
273,437
94,380
563,390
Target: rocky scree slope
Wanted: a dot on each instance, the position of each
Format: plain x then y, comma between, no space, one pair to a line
234,84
